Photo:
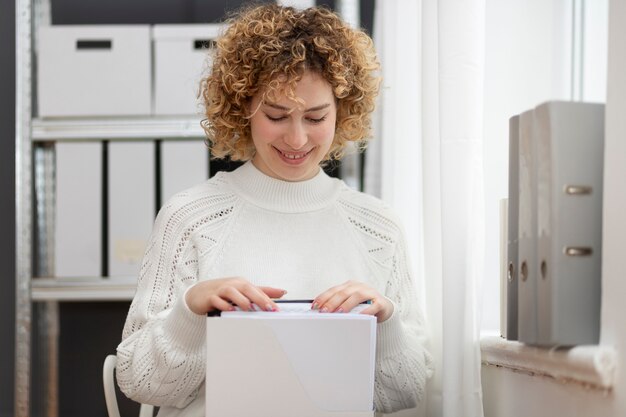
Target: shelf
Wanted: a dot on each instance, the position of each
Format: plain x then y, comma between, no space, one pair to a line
593,366
83,289
117,128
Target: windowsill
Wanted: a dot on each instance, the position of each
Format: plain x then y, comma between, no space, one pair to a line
591,366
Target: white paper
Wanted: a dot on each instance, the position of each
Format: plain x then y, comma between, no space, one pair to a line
291,309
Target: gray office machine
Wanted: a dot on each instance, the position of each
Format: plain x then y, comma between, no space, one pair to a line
570,150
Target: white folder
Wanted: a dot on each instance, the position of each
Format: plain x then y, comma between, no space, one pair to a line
527,231
131,204
286,365
78,234
183,165
570,138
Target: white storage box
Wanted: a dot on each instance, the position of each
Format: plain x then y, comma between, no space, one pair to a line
94,71
181,59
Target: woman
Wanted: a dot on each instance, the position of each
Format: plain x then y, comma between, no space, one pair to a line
287,92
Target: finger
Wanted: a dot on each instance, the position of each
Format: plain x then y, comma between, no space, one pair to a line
373,310
273,292
236,297
354,300
382,308
323,298
259,297
336,300
218,303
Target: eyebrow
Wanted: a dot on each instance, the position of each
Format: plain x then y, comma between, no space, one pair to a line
316,108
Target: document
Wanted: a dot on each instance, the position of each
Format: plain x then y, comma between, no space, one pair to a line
289,307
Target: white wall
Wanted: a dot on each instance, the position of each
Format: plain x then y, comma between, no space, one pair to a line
614,228
512,394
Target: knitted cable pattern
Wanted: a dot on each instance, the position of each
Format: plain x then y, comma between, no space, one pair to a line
402,363
161,359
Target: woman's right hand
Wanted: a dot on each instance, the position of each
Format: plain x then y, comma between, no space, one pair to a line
222,294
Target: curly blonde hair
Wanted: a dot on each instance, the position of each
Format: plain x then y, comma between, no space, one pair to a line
267,49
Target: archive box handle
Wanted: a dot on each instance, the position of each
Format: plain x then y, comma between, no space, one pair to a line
94,44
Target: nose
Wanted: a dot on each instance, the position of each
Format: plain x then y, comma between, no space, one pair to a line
296,136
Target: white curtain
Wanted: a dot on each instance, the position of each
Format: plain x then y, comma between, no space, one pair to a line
426,161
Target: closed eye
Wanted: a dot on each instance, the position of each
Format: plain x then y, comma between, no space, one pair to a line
281,118
275,119
320,120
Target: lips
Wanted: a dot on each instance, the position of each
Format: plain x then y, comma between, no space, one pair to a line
293,157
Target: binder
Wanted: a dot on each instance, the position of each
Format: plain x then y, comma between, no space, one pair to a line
512,270
527,227
131,204
503,267
285,365
183,165
78,234
570,138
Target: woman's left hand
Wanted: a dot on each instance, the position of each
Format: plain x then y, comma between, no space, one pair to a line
343,298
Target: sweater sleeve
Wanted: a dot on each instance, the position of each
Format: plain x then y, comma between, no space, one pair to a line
403,365
161,359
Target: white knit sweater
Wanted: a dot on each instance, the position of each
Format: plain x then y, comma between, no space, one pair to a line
304,237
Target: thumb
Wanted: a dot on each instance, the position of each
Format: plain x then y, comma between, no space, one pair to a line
273,292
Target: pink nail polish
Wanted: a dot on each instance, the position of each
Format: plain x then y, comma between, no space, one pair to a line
324,310
340,310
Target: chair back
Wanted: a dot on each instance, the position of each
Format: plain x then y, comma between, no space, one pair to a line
108,379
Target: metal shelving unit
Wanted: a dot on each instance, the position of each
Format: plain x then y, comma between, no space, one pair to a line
83,289
116,128
38,291
23,206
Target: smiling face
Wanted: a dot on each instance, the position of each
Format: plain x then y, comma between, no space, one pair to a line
291,139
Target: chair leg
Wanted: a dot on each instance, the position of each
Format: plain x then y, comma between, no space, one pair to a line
108,378
146,410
